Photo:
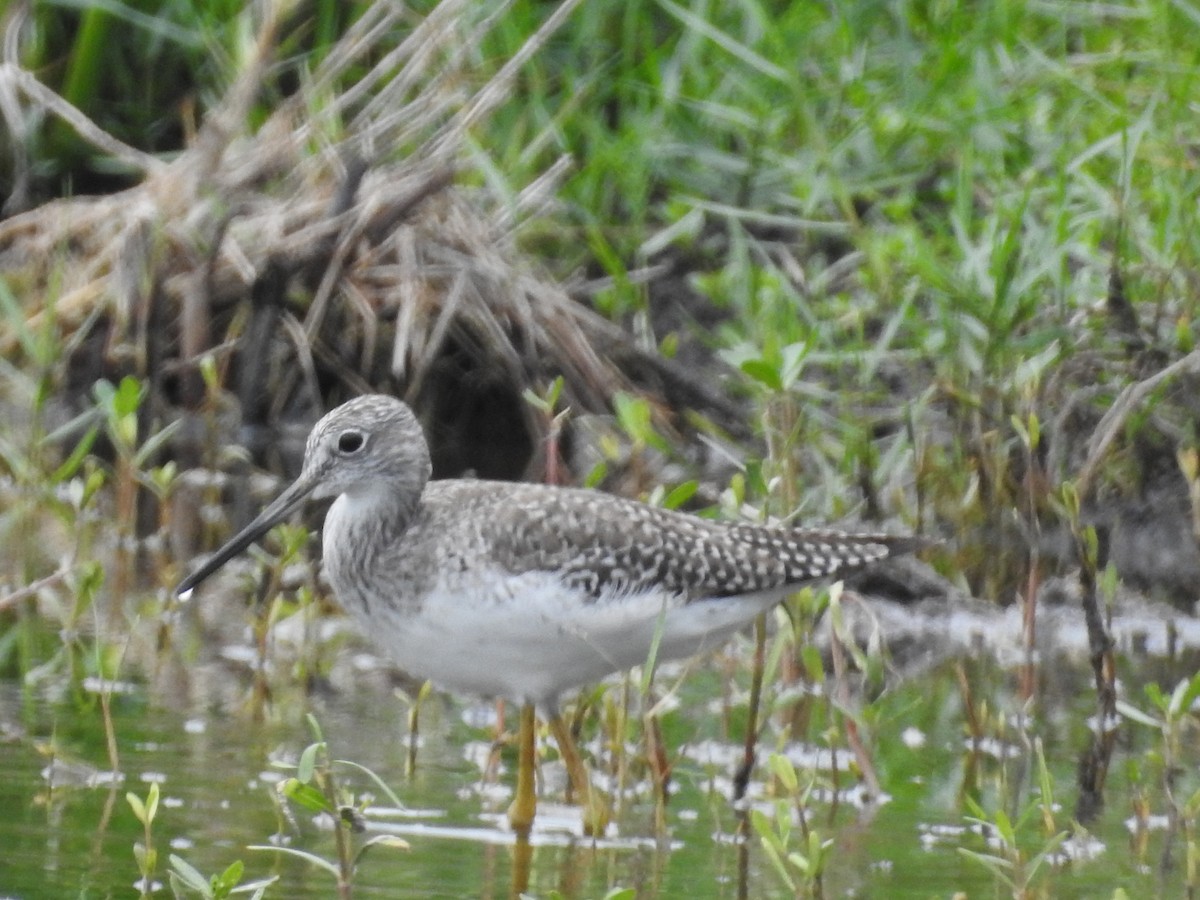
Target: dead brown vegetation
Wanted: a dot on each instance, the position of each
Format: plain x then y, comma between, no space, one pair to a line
331,251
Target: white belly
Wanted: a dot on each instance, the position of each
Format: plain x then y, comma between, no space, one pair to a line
528,639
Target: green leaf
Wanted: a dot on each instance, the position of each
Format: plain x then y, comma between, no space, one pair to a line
229,879
1020,429
391,841
1154,693
1136,715
1051,846
814,667
307,764
652,653
128,396
72,463
772,847
636,419
782,768
152,801
546,402
139,808
1184,696
818,849
147,857
754,481
531,397
255,888
209,372
1004,828
379,782
977,811
763,372
800,862
315,727
680,494
190,875
596,475
1069,495
305,795
994,864
1045,782
152,444
792,364
15,318
764,826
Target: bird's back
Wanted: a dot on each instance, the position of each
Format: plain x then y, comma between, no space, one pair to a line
604,545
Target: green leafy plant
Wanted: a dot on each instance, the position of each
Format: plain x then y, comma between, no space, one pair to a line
1011,863
185,878
316,788
144,851
119,409
801,863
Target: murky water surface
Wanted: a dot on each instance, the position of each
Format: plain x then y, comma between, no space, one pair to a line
68,830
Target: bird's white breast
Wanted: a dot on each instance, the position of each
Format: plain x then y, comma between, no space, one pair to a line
525,637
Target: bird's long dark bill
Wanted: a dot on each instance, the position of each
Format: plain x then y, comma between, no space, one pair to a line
279,510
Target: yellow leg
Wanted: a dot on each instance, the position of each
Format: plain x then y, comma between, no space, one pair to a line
595,809
524,805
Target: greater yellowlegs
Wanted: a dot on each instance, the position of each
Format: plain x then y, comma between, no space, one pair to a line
524,591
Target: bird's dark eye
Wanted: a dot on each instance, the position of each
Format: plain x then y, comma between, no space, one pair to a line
350,441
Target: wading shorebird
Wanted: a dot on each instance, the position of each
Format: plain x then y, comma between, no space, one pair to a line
524,591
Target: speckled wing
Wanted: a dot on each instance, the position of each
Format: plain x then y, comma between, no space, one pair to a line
608,546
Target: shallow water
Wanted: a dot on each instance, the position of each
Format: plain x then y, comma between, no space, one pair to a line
69,830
